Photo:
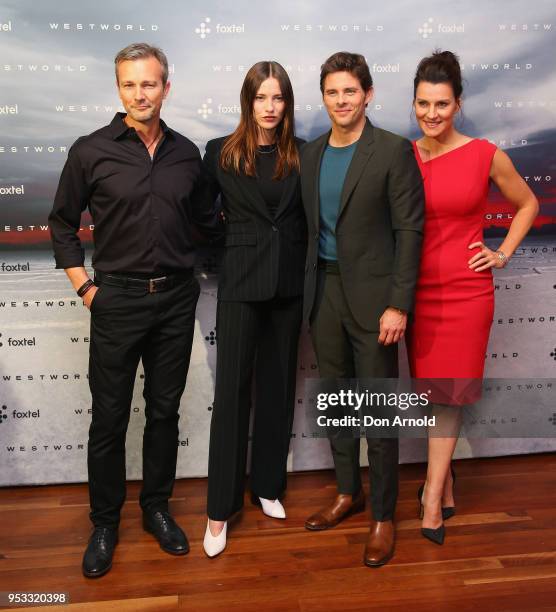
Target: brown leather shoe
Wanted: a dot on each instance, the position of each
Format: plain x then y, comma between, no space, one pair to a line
338,510
380,544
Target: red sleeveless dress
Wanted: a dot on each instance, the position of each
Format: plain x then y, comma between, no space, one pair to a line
454,305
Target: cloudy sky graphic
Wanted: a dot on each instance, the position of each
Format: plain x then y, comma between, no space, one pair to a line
57,54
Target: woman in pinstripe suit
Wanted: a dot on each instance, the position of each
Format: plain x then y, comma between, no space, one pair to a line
255,171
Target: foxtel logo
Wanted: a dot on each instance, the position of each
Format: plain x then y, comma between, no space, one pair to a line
204,29
9,110
17,267
20,342
12,190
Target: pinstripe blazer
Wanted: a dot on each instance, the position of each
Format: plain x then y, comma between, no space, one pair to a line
264,255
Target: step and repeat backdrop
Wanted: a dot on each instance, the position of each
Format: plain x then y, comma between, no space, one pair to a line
57,83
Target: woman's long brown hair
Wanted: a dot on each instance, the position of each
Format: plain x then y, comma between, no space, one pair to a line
240,148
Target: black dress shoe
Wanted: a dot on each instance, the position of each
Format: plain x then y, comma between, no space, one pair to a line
170,536
97,559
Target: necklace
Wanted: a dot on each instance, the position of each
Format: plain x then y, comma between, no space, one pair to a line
154,140
260,150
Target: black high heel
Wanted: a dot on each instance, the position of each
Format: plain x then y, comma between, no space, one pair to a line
447,511
434,535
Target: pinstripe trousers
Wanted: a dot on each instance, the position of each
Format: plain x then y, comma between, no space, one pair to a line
255,340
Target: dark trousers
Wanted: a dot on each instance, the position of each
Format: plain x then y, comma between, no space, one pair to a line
129,324
345,350
260,336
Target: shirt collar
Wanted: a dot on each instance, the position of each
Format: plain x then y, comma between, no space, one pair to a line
119,128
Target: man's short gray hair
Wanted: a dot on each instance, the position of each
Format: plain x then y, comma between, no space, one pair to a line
137,51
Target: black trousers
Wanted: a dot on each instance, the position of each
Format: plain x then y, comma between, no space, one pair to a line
129,324
260,336
345,350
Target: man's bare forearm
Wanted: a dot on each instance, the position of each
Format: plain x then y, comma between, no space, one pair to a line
77,276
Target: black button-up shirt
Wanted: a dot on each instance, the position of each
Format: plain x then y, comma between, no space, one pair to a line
142,209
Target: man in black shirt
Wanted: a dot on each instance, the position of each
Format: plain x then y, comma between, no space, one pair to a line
143,185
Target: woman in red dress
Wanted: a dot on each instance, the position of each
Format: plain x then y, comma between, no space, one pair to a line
455,296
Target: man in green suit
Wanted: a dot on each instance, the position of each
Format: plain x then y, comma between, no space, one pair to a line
363,197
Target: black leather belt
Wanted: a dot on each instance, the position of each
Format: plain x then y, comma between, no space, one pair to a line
150,285
329,266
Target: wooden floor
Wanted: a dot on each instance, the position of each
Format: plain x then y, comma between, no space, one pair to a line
499,553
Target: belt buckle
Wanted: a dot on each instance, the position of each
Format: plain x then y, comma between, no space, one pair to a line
152,283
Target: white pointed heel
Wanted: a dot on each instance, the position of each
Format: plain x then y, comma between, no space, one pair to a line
214,545
273,509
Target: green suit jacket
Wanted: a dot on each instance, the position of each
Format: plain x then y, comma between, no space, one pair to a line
380,224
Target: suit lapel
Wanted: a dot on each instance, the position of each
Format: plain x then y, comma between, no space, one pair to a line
290,185
319,152
248,185
363,152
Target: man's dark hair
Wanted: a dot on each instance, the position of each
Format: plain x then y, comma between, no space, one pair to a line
347,62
